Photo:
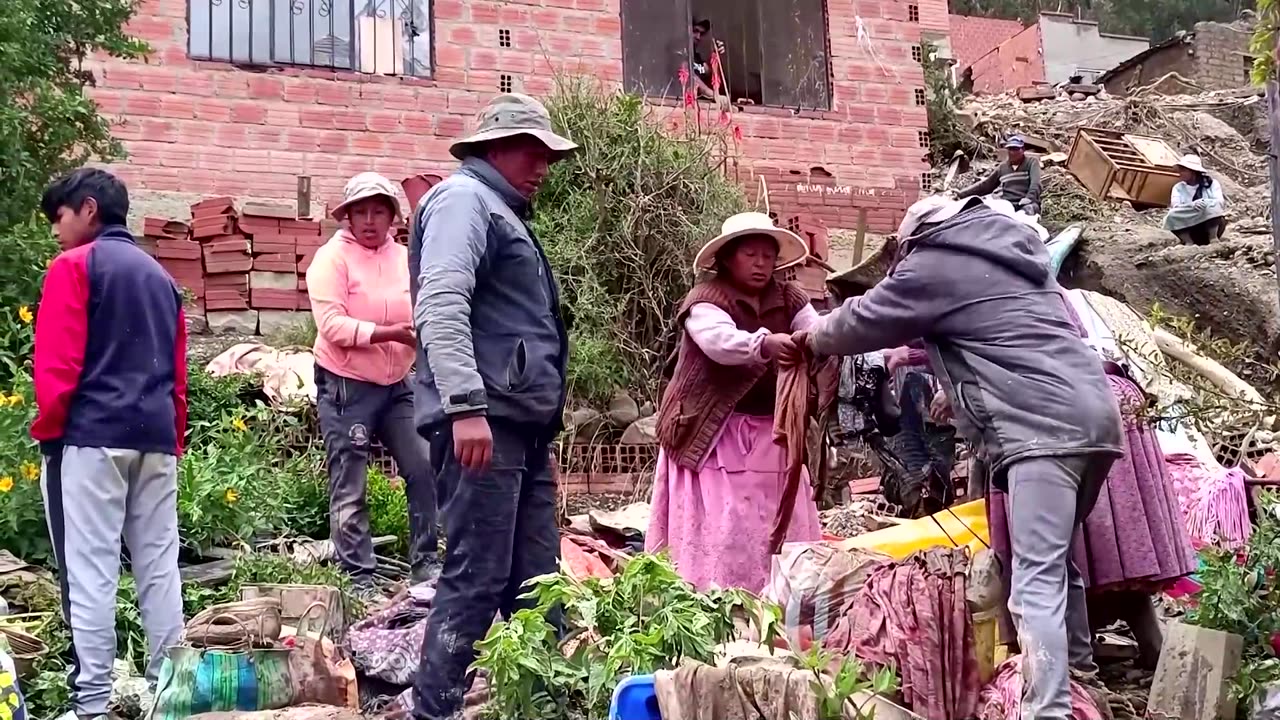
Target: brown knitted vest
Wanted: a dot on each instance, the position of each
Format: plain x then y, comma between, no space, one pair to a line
701,393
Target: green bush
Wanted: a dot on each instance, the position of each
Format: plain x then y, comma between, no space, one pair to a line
621,221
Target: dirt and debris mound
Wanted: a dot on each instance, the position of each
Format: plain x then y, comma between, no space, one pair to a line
1228,288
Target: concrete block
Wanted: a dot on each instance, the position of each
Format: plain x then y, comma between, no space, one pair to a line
274,321
232,322
262,280
1193,677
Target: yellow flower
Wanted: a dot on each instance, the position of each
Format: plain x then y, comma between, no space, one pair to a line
231,496
30,470
13,400
24,314
238,425
6,484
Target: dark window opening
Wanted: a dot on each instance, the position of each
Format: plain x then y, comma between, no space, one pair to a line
917,53
504,38
926,181
384,37
505,83
771,52
923,137
913,13
1248,69
919,95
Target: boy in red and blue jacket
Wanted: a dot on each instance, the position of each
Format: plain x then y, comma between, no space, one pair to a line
110,385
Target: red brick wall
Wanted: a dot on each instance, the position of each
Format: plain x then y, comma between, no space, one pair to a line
216,128
973,37
1016,62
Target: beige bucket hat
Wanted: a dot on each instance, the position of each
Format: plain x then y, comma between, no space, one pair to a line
791,249
364,186
512,114
1191,162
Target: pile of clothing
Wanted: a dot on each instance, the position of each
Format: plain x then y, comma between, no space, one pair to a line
913,615
888,412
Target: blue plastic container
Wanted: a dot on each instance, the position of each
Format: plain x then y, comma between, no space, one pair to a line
635,699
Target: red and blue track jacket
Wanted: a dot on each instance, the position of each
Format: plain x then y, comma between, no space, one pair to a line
111,350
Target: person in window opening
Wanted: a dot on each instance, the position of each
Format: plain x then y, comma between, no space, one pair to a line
110,374
491,384
702,73
720,475
1017,179
1197,205
359,288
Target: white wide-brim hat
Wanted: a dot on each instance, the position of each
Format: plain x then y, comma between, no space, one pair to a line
513,114
362,187
791,249
933,209
1190,162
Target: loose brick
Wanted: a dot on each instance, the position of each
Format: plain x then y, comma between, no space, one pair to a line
228,264
273,299
212,227
177,249
229,244
269,247
259,280
227,281
267,265
162,227
300,227
210,207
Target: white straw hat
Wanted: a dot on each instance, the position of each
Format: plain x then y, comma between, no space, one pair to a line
791,249
1190,162
364,186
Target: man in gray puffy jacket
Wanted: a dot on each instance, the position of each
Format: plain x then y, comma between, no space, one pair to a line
1030,396
490,386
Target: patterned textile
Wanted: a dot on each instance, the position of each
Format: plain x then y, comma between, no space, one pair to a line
926,451
1002,697
913,616
860,404
388,644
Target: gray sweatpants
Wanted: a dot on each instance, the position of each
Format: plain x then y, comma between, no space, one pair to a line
1048,499
94,497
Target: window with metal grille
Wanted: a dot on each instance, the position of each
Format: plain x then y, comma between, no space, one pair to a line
385,37
917,53
919,95
504,37
505,83
761,52
913,13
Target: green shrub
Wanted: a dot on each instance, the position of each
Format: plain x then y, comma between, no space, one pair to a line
621,221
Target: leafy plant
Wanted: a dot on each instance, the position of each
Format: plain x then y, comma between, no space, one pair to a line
388,508
840,692
22,521
621,220
643,620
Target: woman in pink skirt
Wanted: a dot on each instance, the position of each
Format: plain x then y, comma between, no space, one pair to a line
720,476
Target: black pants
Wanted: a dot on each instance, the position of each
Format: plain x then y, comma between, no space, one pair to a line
500,530
1202,233
352,414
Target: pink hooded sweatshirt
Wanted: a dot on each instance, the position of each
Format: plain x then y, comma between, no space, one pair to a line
354,289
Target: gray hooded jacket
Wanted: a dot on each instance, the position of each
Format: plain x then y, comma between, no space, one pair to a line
977,288
485,305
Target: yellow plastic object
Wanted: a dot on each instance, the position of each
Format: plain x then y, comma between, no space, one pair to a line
966,524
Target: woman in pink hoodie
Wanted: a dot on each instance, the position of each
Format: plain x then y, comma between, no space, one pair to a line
359,288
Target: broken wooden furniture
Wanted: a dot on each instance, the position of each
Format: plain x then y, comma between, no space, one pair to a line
1121,166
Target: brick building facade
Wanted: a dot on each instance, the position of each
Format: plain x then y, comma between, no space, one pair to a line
972,37
1214,56
231,101
1015,62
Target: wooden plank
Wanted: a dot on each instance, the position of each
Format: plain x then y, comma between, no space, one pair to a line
1153,150
860,240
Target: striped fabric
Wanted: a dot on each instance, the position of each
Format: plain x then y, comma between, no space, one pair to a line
196,680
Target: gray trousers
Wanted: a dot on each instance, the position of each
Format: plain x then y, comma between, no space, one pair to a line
352,414
93,497
1048,499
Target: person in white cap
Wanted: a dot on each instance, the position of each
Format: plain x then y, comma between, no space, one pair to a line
1016,179
359,288
1021,385
1197,204
720,475
490,387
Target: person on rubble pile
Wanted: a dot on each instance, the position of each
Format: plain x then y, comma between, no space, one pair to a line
1017,179
1197,204
110,375
720,475
1030,397
359,288
491,384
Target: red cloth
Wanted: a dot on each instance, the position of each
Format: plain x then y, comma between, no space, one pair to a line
912,615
